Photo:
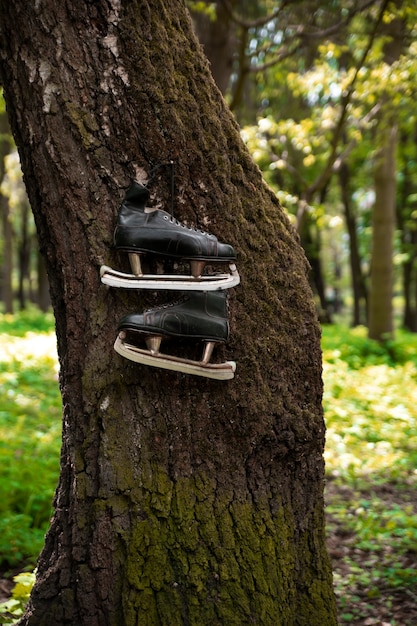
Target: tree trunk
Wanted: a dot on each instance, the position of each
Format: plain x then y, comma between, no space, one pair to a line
23,255
310,239
181,500
218,38
358,282
43,300
383,225
381,324
410,285
409,266
407,226
6,277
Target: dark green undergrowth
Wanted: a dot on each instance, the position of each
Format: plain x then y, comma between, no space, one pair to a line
356,350
29,320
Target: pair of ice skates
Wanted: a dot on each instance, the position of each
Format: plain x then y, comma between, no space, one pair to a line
201,312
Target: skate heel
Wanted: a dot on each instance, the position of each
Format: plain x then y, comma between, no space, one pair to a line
197,268
153,343
207,352
135,264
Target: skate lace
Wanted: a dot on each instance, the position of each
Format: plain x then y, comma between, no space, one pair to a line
173,220
168,305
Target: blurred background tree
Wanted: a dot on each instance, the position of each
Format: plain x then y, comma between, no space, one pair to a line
23,278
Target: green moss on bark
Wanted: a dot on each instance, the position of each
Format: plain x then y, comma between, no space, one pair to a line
217,559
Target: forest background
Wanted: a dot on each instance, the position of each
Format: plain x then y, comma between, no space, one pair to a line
324,93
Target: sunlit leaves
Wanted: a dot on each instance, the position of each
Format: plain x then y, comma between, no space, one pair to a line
207,8
370,404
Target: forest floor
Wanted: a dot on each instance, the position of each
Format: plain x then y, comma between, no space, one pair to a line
365,593
367,577
6,585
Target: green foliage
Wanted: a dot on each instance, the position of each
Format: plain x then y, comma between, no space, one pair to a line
30,320
371,454
357,351
12,610
369,401
30,426
320,109
206,8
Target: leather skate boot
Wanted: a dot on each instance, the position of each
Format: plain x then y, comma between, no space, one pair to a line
198,315
142,230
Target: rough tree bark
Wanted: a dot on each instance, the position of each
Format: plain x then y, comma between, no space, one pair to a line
181,500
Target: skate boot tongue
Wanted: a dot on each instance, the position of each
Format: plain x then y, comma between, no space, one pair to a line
137,195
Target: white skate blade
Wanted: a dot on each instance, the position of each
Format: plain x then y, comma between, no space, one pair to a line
113,278
218,371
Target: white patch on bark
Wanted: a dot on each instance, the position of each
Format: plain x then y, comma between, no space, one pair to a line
110,42
105,404
32,66
50,89
42,70
141,176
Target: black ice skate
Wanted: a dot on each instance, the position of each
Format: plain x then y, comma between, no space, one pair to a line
198,315
144,231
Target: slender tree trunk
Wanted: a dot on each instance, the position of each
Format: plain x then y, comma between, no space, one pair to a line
409,269
23,254
312,246
43,300
6,277
410,302
358,282
381,323
218,38
383,224
181,500
7,288
310,240
407,225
